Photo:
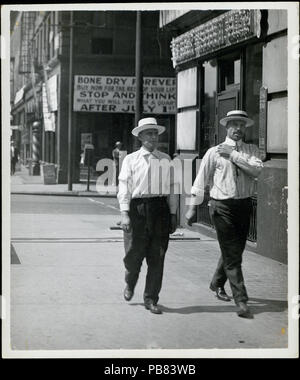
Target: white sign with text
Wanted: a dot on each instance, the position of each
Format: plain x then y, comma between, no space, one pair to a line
117,94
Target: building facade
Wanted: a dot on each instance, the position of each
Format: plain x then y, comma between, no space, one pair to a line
227,60
102,89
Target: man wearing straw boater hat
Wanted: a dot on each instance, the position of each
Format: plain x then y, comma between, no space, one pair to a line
230,170
148,209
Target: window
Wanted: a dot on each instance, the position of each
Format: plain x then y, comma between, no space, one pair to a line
102,45
229,73
187,88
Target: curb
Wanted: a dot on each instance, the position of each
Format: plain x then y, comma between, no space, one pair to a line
65,194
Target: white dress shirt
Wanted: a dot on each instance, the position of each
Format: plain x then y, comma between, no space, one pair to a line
141,177
229,178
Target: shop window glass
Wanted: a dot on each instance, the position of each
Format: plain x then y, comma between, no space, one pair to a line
229,73
209,105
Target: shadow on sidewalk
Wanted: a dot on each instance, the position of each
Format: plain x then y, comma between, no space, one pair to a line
257,305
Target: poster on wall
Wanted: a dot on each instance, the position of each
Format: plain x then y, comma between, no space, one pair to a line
117,94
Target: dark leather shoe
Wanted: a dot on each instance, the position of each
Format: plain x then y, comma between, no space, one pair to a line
220,293
243,310
128,293
153,308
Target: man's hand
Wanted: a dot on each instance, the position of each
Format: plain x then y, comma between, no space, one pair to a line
224,150
125,222
191,215
173,223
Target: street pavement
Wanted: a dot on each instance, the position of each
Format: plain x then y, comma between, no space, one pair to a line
67,281
23,183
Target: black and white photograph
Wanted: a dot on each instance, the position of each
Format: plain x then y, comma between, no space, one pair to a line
150,181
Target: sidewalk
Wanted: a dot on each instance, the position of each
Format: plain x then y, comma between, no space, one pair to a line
67,293
23,183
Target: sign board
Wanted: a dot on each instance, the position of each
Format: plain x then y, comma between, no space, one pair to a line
52,88
116,94
49,117
86,138
49,174
89,147
223,31
56,42
88,154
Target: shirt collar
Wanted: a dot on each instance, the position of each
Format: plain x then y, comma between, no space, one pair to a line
145,152
229,141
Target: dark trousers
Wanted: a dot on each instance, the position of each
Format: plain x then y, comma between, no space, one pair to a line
231,218
149,238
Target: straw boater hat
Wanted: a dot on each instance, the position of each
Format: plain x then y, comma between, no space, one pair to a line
237,115
147,123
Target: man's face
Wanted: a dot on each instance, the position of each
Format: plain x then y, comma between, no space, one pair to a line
236,129
149,139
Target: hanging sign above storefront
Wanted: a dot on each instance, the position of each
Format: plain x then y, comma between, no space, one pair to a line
52,88
49,100
225,30
117,94
49,117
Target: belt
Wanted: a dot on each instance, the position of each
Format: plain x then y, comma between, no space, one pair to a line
232,200
149,200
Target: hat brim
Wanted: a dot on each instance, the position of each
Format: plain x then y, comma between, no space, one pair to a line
248,122
142,128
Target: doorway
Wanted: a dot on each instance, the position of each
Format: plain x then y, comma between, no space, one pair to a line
221,93
229,89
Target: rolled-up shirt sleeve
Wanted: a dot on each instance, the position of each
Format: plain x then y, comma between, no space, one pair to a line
125,185
251,164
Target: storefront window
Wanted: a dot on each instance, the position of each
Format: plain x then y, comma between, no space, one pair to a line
229,73
209,105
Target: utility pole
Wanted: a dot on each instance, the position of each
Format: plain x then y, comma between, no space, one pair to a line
138,74
70,109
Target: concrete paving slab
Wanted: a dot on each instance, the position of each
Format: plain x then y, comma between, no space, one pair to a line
73,300
64,226
67,291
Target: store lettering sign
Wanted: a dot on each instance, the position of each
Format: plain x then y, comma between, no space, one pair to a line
117,94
